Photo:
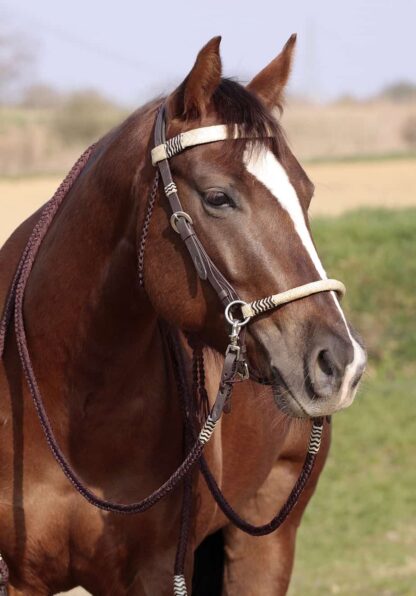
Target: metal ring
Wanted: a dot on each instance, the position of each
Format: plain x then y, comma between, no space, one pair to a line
229,316
175,216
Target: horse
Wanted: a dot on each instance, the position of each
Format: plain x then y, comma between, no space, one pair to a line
113,307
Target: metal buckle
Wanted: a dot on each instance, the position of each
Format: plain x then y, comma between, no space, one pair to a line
176,215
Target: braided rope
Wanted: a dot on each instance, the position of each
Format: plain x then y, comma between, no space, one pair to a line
141,245
90,496
47,214
282,514
179,585
199,385
226,508
17,295
46,217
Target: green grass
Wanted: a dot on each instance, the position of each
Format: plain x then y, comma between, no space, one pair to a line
358,536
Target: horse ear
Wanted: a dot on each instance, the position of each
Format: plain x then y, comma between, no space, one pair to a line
191,98
271,81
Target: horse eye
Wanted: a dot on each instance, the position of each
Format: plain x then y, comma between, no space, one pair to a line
216,198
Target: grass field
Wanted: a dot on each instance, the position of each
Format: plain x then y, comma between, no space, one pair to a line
358,536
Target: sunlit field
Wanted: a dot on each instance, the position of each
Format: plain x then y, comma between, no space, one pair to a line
340,185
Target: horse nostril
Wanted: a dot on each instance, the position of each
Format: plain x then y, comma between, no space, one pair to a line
325,364
324,373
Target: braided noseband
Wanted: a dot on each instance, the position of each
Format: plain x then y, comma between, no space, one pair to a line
257,307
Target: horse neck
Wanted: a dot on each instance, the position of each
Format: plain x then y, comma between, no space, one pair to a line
92,331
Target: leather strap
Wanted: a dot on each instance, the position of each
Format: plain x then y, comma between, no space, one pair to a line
204,266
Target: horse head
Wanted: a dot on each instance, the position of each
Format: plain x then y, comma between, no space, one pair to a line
248,199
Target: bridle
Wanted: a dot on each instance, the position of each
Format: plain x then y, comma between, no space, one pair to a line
235,363
182,223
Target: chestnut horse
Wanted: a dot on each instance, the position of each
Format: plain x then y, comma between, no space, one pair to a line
107,376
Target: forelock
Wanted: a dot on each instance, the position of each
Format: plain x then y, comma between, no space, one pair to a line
235,105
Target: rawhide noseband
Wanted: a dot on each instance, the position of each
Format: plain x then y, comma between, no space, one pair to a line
234,367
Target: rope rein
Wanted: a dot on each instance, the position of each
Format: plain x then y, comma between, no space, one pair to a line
187,397
141,247
234,368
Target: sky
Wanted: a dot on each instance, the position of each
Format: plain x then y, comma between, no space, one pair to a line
133,50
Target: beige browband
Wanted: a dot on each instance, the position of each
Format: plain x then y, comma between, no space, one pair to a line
258,307
196,136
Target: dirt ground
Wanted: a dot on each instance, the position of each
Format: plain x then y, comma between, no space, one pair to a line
349,185
339,187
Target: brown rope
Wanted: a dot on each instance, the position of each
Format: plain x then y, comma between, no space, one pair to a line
141,246
48,213
216,492
16,299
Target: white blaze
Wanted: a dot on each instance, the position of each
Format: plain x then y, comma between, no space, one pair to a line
264,166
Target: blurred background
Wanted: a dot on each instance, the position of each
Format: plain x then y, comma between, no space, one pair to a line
70,71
